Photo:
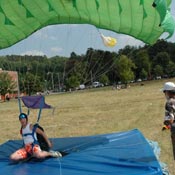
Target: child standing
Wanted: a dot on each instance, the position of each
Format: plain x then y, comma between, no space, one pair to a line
169,119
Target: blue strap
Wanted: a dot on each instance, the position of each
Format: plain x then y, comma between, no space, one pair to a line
27,134
19,101
28,112
41,106
19,104
35,126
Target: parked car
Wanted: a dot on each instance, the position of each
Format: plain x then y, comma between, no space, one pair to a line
82,86
97,84
158,78
139,80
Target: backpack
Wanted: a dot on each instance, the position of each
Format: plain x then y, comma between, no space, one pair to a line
42,142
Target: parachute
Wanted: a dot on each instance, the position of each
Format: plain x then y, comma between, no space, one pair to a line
145,20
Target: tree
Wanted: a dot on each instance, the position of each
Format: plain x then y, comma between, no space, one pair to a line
72,82
32,84
158,70
7,85
170,69
127,50
142,62
143,74
104,79
162,59
124,68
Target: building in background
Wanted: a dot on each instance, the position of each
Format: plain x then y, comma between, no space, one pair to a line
14,76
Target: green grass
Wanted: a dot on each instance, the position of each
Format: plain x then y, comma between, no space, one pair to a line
99,111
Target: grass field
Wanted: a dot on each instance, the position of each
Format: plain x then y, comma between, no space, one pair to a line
99,111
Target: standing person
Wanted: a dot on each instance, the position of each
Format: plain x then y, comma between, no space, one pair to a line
31,146
169,119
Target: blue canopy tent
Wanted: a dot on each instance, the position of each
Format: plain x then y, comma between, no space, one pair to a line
122,153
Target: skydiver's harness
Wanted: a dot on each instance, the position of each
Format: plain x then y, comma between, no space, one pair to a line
35,141
39,139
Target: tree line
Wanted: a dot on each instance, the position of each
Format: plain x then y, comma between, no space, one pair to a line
40,73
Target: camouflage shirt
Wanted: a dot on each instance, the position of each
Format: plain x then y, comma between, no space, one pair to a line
170,109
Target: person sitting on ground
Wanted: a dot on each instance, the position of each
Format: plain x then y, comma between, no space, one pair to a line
31,146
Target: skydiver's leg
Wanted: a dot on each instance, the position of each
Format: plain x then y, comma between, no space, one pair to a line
19,154
38,153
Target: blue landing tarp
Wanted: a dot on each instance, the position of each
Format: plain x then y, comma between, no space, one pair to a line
122,153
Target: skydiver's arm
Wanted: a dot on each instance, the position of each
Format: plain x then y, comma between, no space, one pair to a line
39,131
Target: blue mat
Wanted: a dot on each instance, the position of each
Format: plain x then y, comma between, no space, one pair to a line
122,153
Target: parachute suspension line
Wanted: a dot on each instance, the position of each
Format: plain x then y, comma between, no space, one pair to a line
88,69
18,88
97,63
19,101
36,73
40,110
76,42
28,112
105,39
98,71
66,73
102,73
92,68
60,166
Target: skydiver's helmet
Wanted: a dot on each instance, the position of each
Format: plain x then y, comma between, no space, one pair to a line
23,115
169,86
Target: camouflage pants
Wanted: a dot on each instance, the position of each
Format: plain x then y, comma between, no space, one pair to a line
173,137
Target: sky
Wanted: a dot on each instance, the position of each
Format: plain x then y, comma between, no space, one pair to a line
63,39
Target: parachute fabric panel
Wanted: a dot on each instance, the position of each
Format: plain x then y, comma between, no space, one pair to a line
35,102
168,24
124,153
138,18
167,21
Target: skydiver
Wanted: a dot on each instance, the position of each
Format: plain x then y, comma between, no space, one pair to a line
31,146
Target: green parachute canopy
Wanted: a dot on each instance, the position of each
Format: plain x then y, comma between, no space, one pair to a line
145,20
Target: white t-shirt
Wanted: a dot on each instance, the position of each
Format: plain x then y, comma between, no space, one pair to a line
27,134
